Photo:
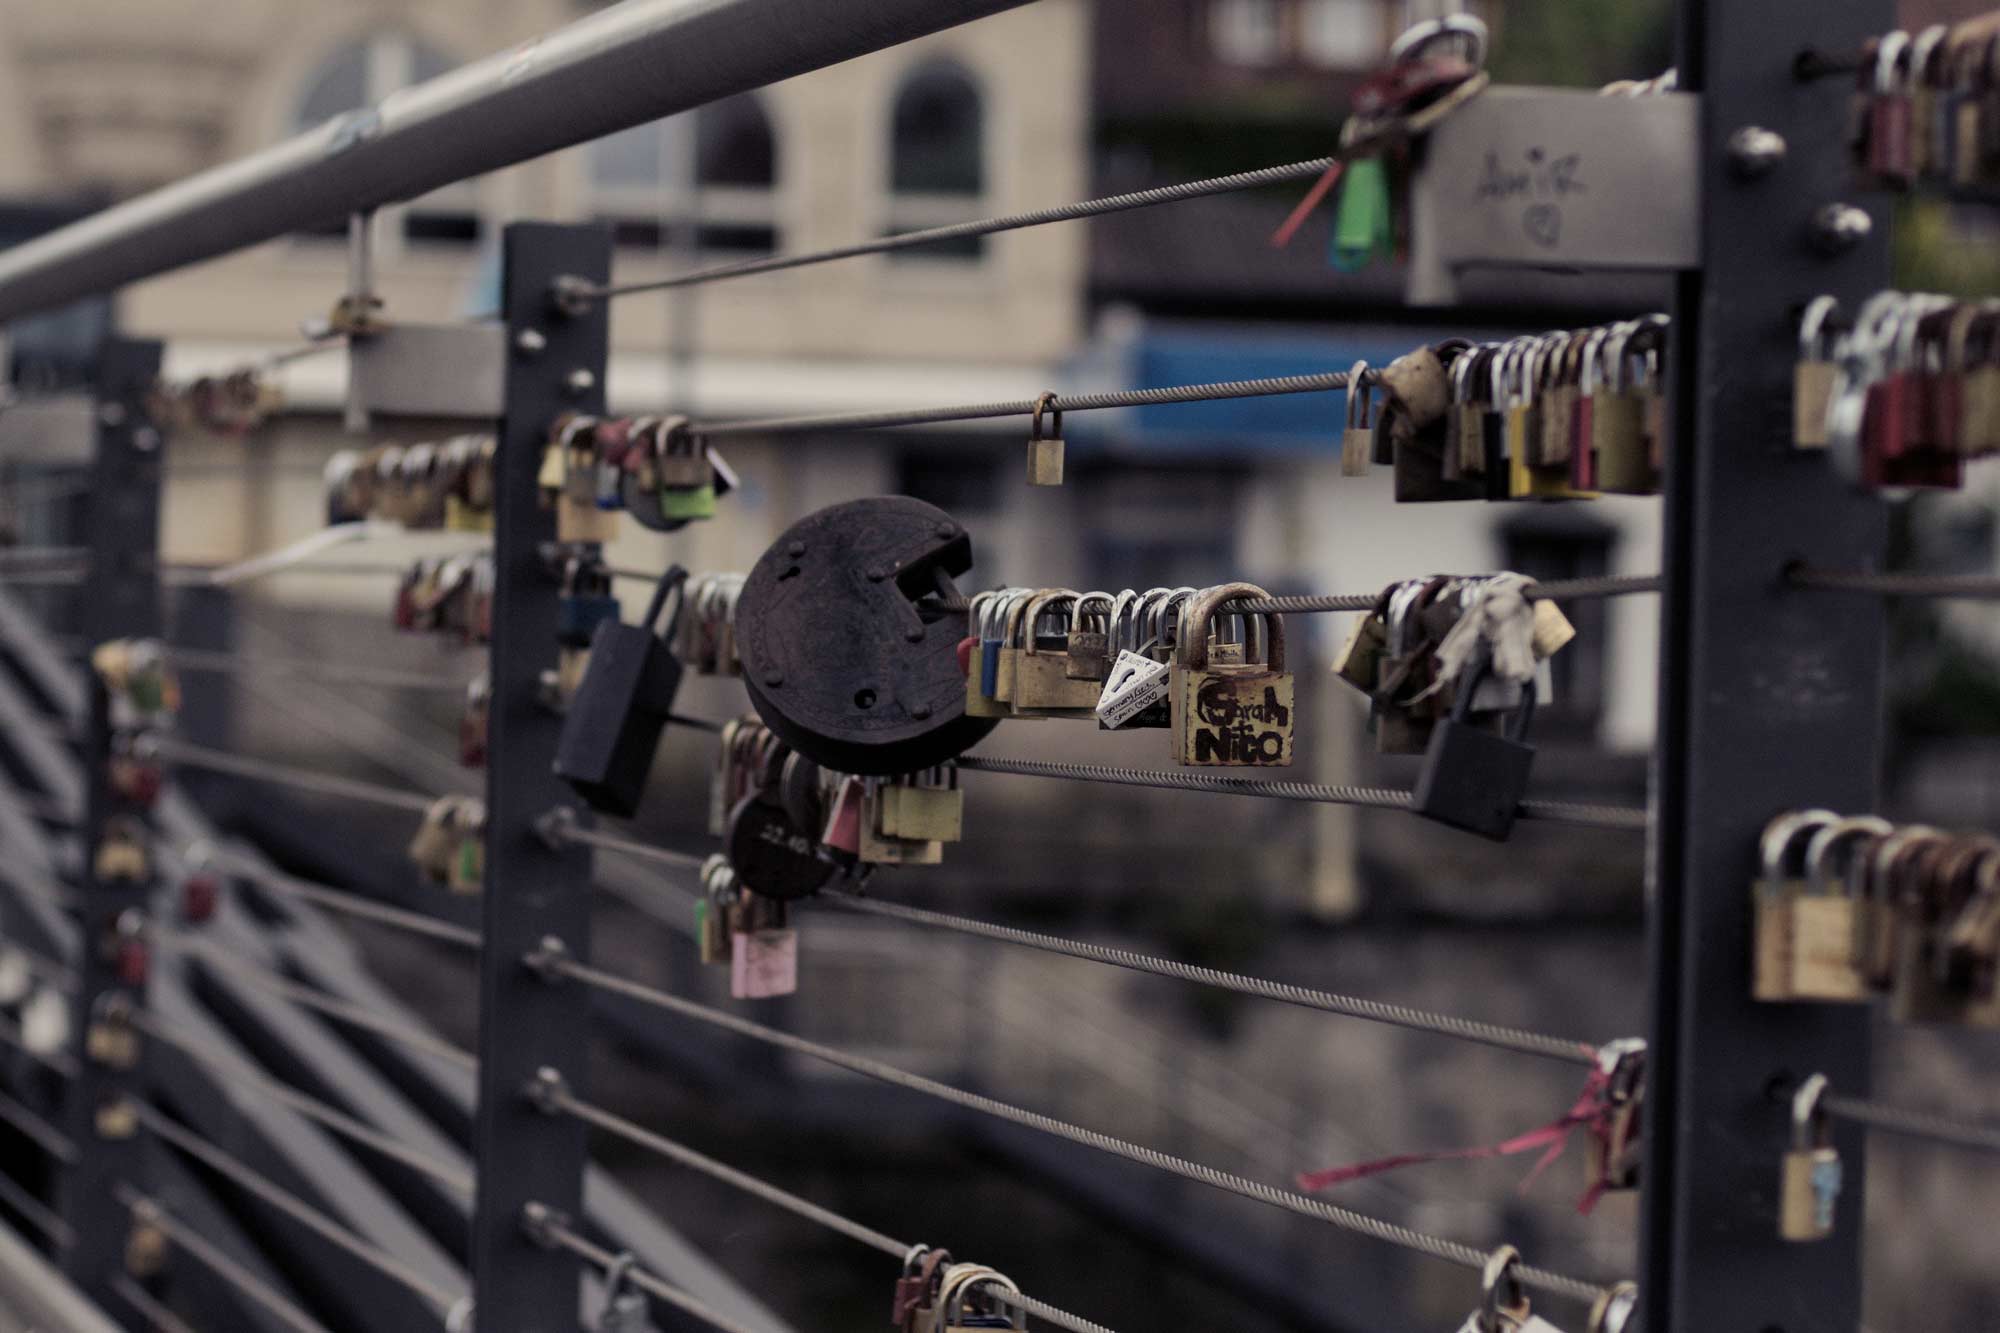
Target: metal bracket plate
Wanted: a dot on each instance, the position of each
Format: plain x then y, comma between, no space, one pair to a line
1555,178
430,370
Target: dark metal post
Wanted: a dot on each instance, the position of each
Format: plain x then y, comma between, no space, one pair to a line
556,363
121,601
1769,698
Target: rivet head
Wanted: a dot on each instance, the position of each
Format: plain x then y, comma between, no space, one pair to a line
920,711
1838,228
795,550
580,382
1755,151
876,574
774,678
533,342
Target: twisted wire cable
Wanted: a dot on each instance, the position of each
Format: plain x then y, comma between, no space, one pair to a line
1396,1015
344,1011
561,825
212,1257
548,1226
1622,585
45,1135
172,1133
563,1100
1021,407
1381,798
1974,587
36,1213
1039,217
239,1072
556,964
353,904
232,663
263,770
1915,1124
150,1306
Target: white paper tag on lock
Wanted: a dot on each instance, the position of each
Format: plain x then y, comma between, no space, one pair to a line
763,964
1134,685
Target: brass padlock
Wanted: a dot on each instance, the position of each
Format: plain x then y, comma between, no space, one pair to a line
116,1120
121,855
1814,375
1044,685
877,848
1357,440
1503,1302
711,910
1772,894
1045,453
145,1244
432,846
1089,645
110,1039
1230,715
1932,892
958,1309
1821,927
925,807
1878,874
1809,1188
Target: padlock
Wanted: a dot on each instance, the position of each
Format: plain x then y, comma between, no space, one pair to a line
986,614
763,951
135,780
1089,644
925,807
613,726
586,601
1614,1165
842,831
45,1022
121,856
1357,438
1045,454
917,1289
878,848
1230,715
1813,375
110,1039
1772,894
711,910
1473,779
474,723
958,1308
201,894
116,1119
1503,1303
1043,685
433,845
1821,923
1809,1186
687,479
624,1309
771,856
146,1245
1931,892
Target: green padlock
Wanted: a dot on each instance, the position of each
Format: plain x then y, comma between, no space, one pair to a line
678,502
1364,224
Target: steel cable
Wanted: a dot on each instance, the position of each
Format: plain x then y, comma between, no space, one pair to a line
62,1062
1914,1124
353,904
560,824
231,663
556,964
150,1306
1382,798
212,1257
546,1224
36,1213
264,770
640,1136
1396,1015
173,1133
1039,217
45,1135
240,1072
1977,587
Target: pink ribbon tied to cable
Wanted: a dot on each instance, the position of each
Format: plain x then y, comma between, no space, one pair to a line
1606,1109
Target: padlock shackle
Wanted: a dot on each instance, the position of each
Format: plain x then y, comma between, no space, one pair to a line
1782,832
1039,605
1191,647
673,578
1809,1119
1501,1296
1045,403
1831,835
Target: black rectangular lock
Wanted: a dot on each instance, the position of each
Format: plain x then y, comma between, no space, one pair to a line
613,725
1473,779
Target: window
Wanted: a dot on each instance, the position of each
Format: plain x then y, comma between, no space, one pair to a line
360,75
1342,34
714,169
937,158
1246,32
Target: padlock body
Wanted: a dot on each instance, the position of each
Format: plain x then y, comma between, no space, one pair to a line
578,616
1771,932
1822,949
1808,1192
688,502
1045,462
1240,718
1473,779
1043,686
613,725
926,814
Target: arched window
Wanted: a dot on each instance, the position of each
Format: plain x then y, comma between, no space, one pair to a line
362,73
937,156
713,170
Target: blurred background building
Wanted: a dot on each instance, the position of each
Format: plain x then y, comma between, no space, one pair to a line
100,99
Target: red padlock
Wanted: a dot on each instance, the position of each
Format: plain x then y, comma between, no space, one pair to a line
200,893
136,781
965,647
134,962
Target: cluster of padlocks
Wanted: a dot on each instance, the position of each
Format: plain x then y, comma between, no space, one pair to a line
1928,107
450,594
1909,387
1169,657
225,404
1854,909
449,846
654,468
422,486
1563,415
1453,669
935,1295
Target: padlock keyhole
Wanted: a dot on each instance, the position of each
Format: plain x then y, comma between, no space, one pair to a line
864,698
